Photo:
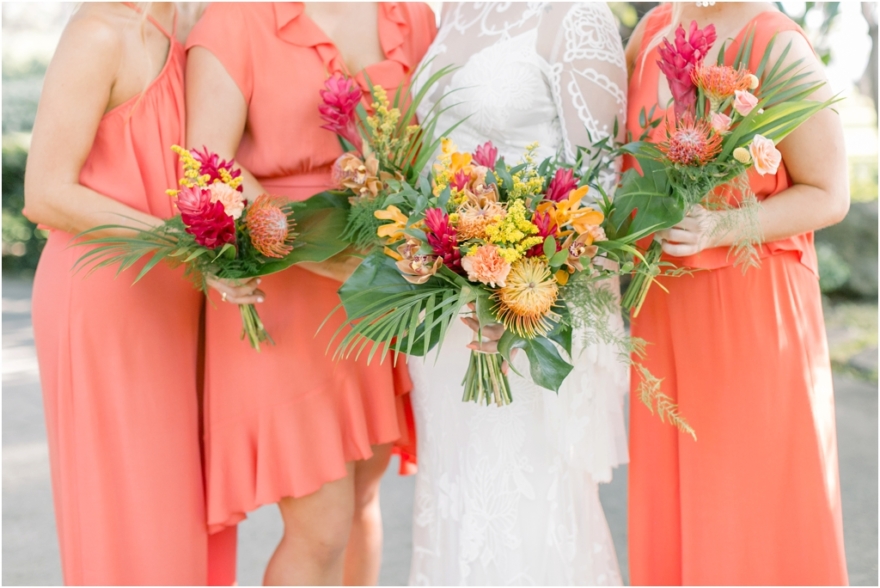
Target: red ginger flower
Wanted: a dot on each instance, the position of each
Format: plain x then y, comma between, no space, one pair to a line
561,185
205,220
270,228
692,143
486,155
546,227
443,238
678,61
341,97
211,164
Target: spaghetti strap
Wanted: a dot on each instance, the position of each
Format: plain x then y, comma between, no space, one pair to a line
156,22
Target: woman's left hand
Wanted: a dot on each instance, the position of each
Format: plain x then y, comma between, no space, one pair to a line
696,232
491,334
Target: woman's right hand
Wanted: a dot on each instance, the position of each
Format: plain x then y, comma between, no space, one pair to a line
236,291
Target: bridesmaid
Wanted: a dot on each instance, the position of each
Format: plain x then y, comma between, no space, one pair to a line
118,364
289,425
756,500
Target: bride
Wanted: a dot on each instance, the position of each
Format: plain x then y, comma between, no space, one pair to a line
509,495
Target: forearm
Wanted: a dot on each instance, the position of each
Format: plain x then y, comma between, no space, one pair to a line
794,211
75,208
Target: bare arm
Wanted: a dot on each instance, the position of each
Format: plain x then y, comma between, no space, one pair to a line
77,91
815,158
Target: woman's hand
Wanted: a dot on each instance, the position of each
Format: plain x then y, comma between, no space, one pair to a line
696,232
237,292
491,334
339,267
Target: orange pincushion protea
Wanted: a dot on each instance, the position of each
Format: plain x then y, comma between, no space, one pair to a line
692,143
527,297
720,82
477,212
270,228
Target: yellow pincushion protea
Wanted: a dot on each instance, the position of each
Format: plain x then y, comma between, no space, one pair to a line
526,300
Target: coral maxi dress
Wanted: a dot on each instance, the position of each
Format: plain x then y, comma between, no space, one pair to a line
756,499
285,421
118,371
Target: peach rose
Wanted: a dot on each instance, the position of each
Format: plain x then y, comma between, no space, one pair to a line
232,199
744,102
765,155
720,122
486,265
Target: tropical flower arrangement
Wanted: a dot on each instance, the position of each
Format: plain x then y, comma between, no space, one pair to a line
382,147
726,120
519,243
220,233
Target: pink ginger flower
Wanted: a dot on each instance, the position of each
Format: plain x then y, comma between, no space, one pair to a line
443,238
561,185
545,225
205,220
460,180
486,155
211,164
341,97
678,61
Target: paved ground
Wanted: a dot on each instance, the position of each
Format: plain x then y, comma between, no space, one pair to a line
30,550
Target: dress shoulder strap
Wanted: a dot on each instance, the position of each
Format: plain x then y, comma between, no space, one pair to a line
155,22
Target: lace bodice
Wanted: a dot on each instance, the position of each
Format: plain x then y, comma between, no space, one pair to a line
548,72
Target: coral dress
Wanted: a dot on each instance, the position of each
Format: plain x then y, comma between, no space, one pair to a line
756,499
285,421
118,367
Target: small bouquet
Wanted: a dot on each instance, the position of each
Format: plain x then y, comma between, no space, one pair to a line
382,148
726,120
219,233
517,242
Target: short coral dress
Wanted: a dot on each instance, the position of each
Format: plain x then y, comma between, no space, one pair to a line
118,369
285,421
756,499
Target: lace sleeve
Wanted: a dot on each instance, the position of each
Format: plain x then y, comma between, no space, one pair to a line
588,79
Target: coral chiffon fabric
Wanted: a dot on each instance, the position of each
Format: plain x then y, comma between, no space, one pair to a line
285,421
118,368
756,499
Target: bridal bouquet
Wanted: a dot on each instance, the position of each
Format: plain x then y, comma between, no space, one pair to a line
219,233
726,120
519,243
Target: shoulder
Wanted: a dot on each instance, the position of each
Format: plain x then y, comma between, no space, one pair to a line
92,39
637,38
228,19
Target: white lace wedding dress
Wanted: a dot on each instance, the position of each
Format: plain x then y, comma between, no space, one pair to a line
509,495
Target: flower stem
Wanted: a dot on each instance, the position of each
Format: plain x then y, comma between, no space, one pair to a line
485,380
252,326
642,280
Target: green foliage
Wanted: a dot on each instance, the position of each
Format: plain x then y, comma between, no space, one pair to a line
22,241
362,225
834,272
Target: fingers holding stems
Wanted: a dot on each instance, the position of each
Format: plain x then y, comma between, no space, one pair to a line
238,292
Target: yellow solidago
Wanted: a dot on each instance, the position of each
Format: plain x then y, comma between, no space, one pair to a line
191,169
513,233
383,123
227,178
527,182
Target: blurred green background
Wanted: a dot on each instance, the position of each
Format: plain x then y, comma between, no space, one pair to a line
845,36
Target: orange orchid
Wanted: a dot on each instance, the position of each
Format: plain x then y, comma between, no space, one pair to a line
394,231
569,212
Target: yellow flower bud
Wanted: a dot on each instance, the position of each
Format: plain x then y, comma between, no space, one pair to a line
753,81
741,154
